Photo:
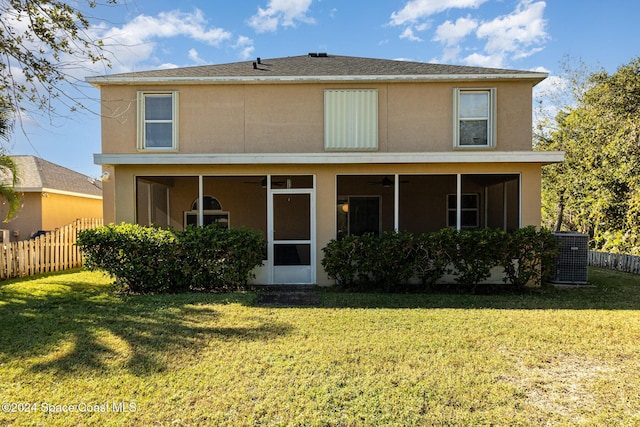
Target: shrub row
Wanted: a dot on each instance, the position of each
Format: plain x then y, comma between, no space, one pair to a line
388,262
156,260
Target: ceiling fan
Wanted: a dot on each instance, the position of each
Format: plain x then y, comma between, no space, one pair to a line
385,182
263,183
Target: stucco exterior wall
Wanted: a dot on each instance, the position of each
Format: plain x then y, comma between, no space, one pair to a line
257,118
108,195
48,211
27,220
61,209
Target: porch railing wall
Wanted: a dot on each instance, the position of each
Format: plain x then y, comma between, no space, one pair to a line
620,262
53,251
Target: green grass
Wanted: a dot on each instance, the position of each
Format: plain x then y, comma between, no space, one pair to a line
558,357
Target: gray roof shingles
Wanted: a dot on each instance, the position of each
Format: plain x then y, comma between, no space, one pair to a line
310,66
36,174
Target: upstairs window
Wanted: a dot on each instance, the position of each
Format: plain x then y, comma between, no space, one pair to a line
351,119
158,121
474,114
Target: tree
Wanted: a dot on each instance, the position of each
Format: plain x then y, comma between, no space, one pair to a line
597,189
9,171
41,42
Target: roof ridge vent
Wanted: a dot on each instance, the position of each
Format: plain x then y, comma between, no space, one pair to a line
318,54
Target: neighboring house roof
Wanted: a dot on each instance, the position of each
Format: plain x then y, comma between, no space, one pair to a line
39,175
316,67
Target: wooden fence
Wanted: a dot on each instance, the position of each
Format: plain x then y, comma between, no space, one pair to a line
621,262
53,251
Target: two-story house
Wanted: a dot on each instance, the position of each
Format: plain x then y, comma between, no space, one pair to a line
310,148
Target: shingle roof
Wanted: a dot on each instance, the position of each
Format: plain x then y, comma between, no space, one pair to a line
36,174
317,66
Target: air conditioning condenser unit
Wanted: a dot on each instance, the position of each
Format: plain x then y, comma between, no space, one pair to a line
570,266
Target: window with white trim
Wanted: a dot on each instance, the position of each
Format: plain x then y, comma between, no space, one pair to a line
212,213
469,210
158,121
475,116
351,119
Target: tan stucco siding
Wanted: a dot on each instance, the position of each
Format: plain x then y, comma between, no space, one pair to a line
61,209
212,119
118,125
282,118
108,195
256,118
27,220
48,211
420,117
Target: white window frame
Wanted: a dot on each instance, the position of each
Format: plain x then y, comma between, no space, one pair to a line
475,209
218,217
142,96
491,119
351,119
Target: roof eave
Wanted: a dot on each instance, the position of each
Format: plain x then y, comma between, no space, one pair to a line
466,157
98,81
57,191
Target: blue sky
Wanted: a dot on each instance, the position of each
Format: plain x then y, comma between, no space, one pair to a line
516,34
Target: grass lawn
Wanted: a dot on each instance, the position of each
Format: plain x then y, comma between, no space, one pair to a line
563,357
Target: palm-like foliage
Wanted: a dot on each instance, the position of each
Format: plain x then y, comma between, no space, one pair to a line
8,171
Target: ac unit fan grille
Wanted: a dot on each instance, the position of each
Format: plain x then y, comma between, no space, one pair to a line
570,266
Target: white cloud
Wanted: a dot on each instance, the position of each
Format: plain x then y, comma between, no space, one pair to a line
245,44
168,24
479,60
450,54
415,10
408,34
167,66
281,13
508,37
451,33
550,96
519,33
195,57
136,41
553,87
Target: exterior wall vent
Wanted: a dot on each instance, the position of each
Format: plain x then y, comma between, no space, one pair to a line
570,266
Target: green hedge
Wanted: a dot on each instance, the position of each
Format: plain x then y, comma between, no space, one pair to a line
389,261
155,260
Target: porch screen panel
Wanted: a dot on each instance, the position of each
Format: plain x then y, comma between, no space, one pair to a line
351,119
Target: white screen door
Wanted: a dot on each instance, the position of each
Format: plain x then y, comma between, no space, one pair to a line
292,251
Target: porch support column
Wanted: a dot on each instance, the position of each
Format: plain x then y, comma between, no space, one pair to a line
200,200
505,199
459,201
486,206
396,203
270,231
